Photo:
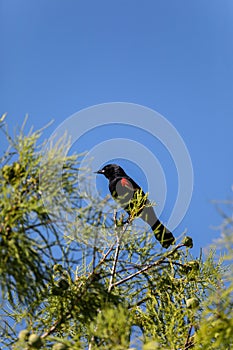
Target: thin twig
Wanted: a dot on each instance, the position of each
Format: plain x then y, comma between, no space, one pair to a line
156,263
139,303
187,344
110,249
56,325
106,255
94,252
119,240
115,218
114,264
90,344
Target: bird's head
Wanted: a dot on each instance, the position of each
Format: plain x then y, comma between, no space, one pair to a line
111,170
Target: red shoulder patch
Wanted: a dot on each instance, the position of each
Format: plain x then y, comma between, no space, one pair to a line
126,183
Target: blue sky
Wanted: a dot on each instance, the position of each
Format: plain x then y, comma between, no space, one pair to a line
176,57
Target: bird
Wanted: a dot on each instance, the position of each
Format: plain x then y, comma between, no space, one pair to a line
134,201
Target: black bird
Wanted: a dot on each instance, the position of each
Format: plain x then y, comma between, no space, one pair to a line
134,201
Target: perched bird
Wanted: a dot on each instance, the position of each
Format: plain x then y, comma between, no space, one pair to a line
134,201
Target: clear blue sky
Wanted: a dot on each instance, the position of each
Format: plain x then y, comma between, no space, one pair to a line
175,57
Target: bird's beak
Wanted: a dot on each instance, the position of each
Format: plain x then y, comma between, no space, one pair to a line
99,172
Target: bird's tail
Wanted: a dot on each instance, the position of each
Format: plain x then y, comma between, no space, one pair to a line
163,235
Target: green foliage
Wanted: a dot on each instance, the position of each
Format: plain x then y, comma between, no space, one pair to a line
188,242
73,276
111,328
216,325
27,227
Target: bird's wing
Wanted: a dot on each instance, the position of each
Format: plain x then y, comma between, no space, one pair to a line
127,192
126,185
121,187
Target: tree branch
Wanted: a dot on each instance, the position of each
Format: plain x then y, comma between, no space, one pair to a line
156,263
188,344
119,240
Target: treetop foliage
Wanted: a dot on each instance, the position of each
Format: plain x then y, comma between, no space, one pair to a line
73,275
